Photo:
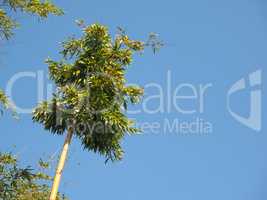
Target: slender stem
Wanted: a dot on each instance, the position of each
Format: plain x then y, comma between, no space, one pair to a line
60,166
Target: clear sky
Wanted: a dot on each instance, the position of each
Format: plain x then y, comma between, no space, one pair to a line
208,42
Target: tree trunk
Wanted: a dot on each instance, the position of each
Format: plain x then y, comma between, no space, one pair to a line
60,166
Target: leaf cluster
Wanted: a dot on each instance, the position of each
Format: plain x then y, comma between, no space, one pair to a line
92,91
36,7
18,183
3,101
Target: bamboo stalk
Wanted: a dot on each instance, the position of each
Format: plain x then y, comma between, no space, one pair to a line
61,165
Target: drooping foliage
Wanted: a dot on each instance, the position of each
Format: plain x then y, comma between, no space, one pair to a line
92,94
36,7
17,183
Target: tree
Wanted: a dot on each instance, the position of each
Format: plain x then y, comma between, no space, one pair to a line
7,25
92,94
18,183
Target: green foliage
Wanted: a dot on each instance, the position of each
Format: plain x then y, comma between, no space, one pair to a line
22,183
3,101
92,92
35,7
5,104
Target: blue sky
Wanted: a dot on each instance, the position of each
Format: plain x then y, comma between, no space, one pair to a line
206,42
